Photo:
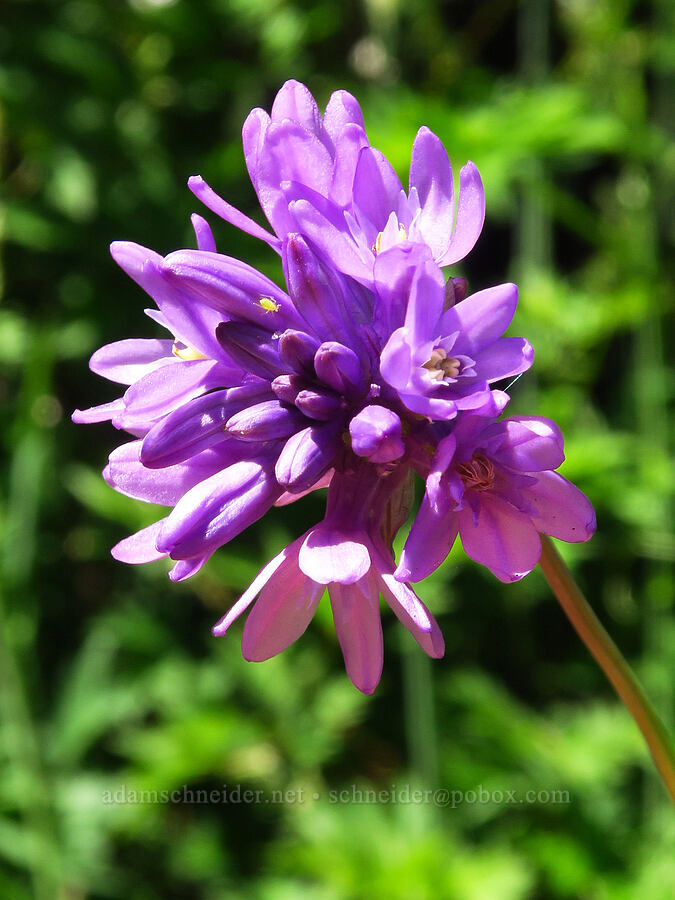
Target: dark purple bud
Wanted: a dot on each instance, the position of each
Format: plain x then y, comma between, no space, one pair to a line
456,290
307,456
376,434
319,404
196,425
318,294
287,387
253,348
297,349
266,421
339,368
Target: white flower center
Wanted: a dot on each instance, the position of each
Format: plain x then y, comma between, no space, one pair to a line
441,366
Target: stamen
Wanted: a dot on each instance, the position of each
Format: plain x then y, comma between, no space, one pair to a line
441,366
186,353
478,473
377,246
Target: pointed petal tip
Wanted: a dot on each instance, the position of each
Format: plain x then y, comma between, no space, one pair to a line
366,689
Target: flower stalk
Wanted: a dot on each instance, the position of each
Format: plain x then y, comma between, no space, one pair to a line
609,658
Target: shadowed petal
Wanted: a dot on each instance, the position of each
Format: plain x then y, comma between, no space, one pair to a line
281,614
409,609
501,538
258,583
186,568
356,614
431,537
564,511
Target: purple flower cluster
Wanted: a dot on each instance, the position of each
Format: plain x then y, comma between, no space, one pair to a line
368,367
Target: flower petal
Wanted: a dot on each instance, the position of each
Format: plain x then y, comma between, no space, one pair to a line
127,475
503,359
527,443
127,361
103,413
481,319
229,213
376,189
431,537
564,511
281,614
197,425
431,175
329,554
140,547
203,233
356,613
408,608
294,101
341,110
470,216
232,288
167,388
254,589
501,538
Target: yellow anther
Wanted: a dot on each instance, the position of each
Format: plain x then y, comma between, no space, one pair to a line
268,304
186,353
377,246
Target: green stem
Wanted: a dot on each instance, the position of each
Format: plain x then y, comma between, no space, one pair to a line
610,660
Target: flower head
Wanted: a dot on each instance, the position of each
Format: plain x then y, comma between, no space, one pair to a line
366,367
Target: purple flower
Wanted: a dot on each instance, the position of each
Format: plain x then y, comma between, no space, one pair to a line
347,555
443,359
493,482
318,175
366,367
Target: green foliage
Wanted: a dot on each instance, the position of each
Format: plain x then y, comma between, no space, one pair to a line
113,694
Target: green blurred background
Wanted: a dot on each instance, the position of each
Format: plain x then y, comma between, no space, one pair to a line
110,680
